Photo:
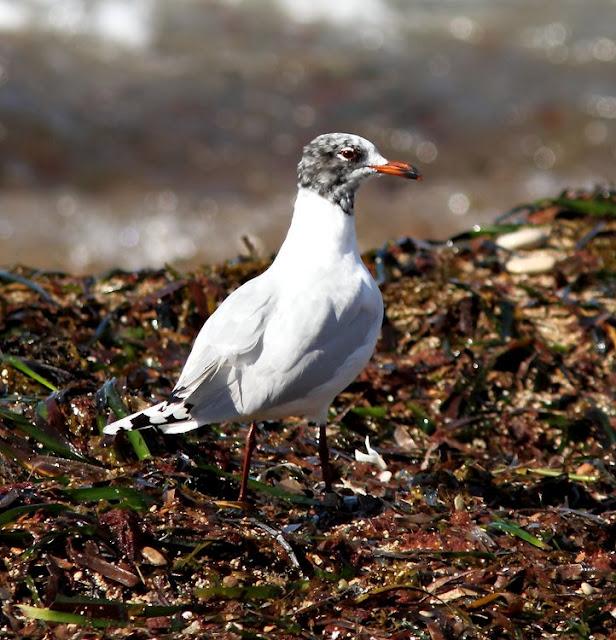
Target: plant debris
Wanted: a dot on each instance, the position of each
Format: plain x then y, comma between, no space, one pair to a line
485,506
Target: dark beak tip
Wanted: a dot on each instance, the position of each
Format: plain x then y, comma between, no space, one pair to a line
400,169
414,173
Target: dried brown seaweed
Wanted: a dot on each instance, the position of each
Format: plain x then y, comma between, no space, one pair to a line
490,399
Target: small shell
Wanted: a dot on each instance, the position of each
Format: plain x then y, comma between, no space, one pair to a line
535,262
152,556
527,238
372,457
458,503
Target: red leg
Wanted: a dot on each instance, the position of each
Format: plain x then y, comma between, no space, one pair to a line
249,447
324,456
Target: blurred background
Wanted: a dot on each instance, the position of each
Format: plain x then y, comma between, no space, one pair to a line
139,132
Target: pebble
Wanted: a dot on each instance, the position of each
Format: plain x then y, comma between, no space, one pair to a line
230,581
534,262
153,556
527,238
458,503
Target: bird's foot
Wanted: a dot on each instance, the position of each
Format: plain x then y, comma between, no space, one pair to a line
350,505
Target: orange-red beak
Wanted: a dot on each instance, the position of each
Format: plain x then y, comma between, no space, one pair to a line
400,169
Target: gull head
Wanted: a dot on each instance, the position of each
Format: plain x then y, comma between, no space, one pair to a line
335,164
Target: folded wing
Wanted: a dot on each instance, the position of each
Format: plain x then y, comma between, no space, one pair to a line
229,339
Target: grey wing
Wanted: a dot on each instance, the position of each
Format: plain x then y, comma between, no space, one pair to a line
230,338
208,388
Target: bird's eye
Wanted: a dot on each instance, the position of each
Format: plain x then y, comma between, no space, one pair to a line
348,153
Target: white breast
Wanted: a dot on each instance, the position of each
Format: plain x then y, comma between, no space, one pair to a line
327,316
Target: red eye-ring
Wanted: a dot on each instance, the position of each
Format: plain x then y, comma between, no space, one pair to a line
348,153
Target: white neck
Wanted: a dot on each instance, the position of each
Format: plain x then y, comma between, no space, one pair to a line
320,229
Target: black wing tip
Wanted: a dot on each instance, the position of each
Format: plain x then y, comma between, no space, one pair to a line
176,395
140,421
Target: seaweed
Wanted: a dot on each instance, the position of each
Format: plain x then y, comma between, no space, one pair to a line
488,511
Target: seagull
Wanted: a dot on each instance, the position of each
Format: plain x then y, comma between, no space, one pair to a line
287,342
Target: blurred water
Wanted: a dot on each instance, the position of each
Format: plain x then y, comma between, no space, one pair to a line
143,132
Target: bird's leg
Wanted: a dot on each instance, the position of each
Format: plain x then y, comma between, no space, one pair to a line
324,457
249,447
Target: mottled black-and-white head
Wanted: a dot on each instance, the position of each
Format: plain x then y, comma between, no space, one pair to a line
335,164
